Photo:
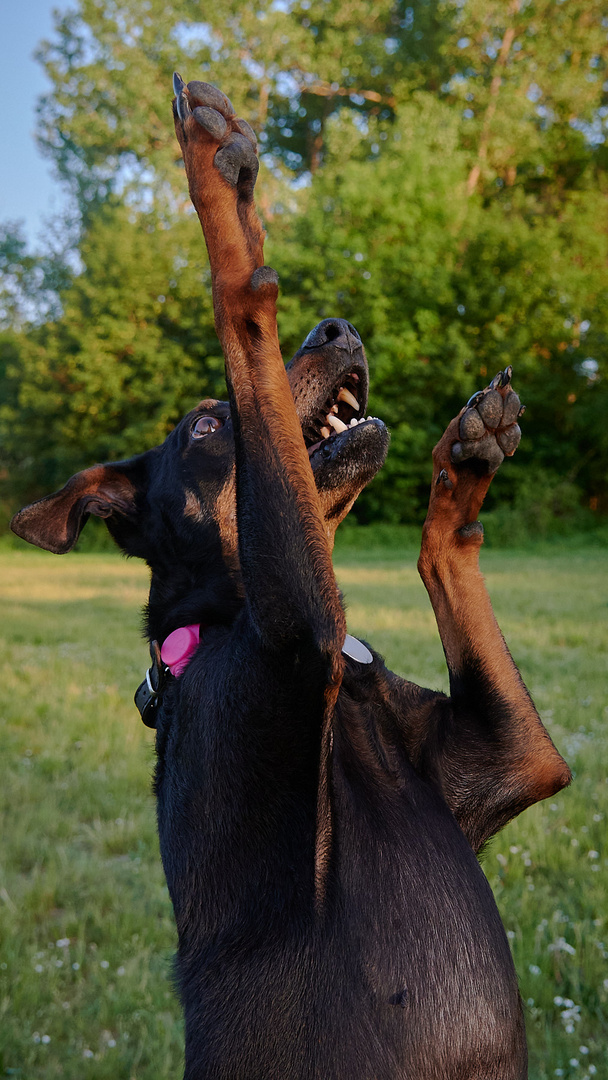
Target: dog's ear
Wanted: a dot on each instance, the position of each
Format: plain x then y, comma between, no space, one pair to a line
55,522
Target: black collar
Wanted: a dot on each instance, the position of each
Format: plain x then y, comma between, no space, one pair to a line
148,692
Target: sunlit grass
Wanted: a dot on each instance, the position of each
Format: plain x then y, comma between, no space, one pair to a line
85,921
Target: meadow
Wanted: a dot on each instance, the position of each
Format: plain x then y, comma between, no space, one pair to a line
86,928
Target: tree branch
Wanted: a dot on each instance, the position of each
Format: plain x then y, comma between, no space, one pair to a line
328,90
484,139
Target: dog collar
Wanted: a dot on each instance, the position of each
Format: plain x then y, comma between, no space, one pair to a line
173,657
148,692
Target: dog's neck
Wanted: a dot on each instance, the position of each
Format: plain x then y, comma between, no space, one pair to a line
186,595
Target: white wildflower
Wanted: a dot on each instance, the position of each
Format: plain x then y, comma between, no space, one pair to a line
561,945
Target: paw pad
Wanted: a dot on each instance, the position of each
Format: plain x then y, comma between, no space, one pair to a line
263,276
490,409
236,156
211,120
487,429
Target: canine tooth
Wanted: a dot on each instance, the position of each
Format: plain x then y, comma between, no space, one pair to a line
325,432
350,399
336,423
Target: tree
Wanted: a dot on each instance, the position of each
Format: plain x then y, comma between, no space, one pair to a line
435,172
132,350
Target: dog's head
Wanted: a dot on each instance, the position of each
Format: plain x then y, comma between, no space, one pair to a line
175,505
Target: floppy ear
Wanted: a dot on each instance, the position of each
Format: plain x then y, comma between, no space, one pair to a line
55,522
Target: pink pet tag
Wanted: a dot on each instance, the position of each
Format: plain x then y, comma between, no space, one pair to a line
179,647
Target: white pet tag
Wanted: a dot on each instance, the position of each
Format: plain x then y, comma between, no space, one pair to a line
356,650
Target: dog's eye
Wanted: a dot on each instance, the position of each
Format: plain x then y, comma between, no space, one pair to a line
205,425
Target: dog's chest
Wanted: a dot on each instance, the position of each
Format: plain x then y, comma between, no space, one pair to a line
419,932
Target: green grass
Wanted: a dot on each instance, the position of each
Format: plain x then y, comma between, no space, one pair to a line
86,929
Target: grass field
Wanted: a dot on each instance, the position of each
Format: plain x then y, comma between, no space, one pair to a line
86,930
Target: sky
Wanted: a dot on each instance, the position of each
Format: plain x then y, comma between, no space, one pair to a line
28,191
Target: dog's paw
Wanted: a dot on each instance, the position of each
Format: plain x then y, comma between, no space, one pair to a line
487,428
204,113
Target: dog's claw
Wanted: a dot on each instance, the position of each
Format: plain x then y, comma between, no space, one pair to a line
521,411
507,375
474,398
178,83
496,381
183,107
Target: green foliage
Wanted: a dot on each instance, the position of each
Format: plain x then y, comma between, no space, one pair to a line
29,284
436,173
132,351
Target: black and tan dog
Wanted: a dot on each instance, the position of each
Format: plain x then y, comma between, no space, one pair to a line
319,817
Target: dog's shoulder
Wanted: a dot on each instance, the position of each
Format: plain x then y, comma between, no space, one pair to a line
382,720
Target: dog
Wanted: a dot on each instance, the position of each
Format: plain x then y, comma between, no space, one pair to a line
319,816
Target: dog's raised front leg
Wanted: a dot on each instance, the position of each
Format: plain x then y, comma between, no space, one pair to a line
495,756
292,598
283,547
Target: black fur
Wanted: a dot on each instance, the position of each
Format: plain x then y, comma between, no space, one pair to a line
399,967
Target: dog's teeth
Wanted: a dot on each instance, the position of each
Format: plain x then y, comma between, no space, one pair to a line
336,423
325,432
350,399
334,409
353,422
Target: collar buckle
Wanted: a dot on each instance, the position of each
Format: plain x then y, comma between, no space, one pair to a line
148,692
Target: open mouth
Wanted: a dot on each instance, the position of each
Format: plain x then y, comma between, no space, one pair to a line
341,410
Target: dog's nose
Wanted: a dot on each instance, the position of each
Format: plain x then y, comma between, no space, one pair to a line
337,332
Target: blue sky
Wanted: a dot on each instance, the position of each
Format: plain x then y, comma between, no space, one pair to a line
27,188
